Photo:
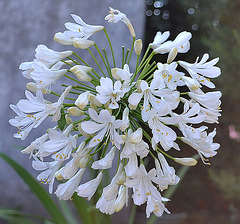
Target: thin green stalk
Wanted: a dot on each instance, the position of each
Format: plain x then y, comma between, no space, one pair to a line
86,86
131,50
123,48
66,63
110,44
145,55
134,76
145,63
148,70
99,52
96,62
80,87
109,67
125,60
86,64
55,94
74,61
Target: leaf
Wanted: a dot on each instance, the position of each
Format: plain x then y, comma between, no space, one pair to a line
19,217
67,212
62,121
38,190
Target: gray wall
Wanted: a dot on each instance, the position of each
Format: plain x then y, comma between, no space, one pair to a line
25,24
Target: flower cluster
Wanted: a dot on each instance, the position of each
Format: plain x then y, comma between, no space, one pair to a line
116,117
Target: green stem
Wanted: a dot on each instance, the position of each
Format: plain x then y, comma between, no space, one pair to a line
132,214
96,62
125,60
99,52
131,50
109,41
109,67
123,48
145,55
134,76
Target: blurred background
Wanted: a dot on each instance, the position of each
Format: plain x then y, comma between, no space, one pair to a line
208,194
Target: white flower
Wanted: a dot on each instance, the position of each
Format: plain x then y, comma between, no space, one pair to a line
35,144
204,144
106,124
155,206
116,16
192,84
148,94
210,100
125,119
79,160
106,162
107,91
181,43
88,189
81,72
32,111
105,206
134,145
66,190
123,75
202,69
110,192
168,72
159,39
79,31
165,174
122,198
82,100
161,133
142,185
42,75
50,57
49,169
60,144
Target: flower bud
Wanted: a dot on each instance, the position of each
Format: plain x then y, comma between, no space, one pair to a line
81,72
32,86
172,55
186,161
82,100
68,119
191,83
94,101
75,111
138,46
82,43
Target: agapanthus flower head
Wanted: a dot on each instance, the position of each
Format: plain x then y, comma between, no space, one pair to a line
112,118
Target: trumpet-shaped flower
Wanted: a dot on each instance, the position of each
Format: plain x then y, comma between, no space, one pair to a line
60,145
181,43
50,57
171,77
32,111
66,190
47,176
79,31
106,162
88,189
109,92
200,70
105,125
149,93
116,16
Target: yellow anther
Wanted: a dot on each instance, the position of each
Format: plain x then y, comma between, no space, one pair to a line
157,101
142,108
99,140
147,110
158,130
169,78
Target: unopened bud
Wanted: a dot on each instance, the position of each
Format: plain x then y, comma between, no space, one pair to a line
81,72
138,46
68,119
82,100
172,55
186,161
75,111
32,86
85,134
